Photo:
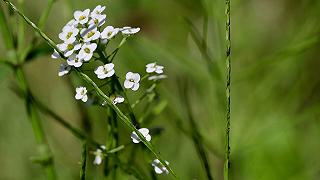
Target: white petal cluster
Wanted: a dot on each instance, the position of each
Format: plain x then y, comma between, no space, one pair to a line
156,70
132,81
99,155
64,69
159,168
105,71
127,31
144,131
118,100
81,93
82,35
153,67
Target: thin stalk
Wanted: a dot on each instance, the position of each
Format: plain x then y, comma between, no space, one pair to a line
197,137
46,158
228,90
5,30
45,14
76,132
83,161
43,35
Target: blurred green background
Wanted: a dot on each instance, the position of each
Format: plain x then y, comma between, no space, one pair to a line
275,104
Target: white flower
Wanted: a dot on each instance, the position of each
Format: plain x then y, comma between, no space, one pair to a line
105,71
144,131
132,81
98,155
69,48
72,23
73,60
129,30
157,77
118,100
69,34
82,16
86,51
97,20
97,10
153,67
159,168
109,32
90,34
64,69
55,54
81,93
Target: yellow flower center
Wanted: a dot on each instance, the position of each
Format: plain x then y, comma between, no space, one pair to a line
90,34
87,50
82,17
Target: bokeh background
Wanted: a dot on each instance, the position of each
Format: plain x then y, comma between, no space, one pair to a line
275,89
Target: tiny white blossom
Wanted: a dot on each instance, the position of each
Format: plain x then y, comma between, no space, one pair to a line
129,30
55,54
98,155
73,60
97,20
132,81
69,34
118,100
82,16
105,71
97,10
144,131
90,34
109,32
159,168
157,77
64,69
69,48
86,51
153,67
71,24
81,93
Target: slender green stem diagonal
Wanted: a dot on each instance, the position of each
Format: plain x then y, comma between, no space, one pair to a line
228,91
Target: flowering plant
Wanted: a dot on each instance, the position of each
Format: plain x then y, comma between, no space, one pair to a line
84,42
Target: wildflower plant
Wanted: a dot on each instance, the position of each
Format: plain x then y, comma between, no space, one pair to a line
84,41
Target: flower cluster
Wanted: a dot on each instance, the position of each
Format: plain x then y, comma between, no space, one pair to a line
85,39
81,37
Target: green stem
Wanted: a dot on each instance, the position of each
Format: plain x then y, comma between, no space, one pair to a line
83,161
45,158
45,14
5,30
43,35
197,137
228,90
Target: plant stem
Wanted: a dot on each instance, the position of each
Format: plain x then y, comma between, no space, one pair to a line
5,30
197,137
228,90
45,158
45,14
43,35
83,161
